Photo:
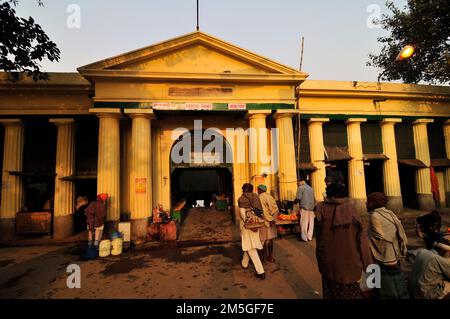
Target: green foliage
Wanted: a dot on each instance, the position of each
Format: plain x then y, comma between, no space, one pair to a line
425,24
23,44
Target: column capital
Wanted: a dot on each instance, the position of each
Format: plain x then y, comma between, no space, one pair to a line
355,120
11,122
446,122
285,113
62,121
320,120
136,113
422,121
390,120
106,112
254,114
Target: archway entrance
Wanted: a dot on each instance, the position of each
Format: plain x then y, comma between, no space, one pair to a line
202,187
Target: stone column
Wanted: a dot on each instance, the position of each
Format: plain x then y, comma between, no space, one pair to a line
446,127
237,139
258,147
356,179
141,172
12,191
425,198
317,154
64,190
108,168
391,177
287,170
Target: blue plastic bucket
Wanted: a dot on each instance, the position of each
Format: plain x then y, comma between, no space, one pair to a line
115,235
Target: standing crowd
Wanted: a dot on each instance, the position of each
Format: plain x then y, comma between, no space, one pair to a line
350,256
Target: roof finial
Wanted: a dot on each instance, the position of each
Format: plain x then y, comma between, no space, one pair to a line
198,27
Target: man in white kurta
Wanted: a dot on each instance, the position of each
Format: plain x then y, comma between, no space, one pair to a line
250,240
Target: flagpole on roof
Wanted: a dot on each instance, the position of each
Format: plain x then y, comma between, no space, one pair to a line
198,27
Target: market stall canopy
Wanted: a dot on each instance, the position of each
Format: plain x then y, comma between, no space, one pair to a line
412,162
336,153
440,162
307,167
375,157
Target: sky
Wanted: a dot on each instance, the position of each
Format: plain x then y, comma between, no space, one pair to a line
337,35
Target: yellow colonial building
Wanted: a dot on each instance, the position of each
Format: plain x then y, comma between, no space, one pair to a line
113,127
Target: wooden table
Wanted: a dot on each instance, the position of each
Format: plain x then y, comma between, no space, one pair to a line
290,223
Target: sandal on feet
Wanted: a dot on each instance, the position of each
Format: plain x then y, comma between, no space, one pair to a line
261,276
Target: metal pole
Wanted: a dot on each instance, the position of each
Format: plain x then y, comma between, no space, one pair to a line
198,27
298,107
301,54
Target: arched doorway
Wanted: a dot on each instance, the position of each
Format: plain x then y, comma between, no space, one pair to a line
202,183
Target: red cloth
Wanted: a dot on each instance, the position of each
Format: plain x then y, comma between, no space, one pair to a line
434,185
96,214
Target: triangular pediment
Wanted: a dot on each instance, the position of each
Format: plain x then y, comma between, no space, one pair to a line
194,53
196,58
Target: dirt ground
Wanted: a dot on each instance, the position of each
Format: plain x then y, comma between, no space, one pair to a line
177,270
207,224
165,272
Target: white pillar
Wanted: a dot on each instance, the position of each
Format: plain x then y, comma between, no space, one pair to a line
425,198
141,172
12,190
108,168
258,148
317,154
64,190
391,177
287,170
356,178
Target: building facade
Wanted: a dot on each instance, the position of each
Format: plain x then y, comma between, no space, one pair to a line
112,128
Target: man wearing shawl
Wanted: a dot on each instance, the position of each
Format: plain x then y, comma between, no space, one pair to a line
387,241
342,250
250,240
269,232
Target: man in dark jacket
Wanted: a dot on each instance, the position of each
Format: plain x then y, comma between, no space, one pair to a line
96,216
342,247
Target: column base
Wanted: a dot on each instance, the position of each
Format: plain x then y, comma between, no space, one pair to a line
360,205
395,204
62,227
139,230
7,229
425,202
111,226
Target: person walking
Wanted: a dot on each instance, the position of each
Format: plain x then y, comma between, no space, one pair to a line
387,242
305,198
249,203
269,232
342,250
